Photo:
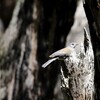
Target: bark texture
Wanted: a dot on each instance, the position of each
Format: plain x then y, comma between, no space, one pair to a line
92,9
18,46
78,75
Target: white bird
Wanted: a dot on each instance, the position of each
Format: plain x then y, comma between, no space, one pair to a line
62,54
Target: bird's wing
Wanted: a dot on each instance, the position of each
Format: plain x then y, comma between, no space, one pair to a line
48,62
62,52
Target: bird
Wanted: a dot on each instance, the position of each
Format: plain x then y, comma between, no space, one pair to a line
61,54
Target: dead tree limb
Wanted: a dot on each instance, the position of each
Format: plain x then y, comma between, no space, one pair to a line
79,77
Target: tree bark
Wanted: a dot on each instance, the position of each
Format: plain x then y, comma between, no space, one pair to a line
78,80
18,48
92,9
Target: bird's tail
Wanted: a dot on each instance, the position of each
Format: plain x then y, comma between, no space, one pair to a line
48,62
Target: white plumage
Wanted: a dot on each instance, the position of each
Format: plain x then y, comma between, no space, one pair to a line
61,54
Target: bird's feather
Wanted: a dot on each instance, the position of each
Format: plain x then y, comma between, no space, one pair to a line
63,52
48,62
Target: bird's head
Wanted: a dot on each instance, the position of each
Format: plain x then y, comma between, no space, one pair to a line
73,45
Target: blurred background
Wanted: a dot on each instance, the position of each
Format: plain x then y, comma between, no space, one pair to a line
30,30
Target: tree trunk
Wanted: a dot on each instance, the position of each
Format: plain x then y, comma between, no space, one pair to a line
18,48
92,9
77,78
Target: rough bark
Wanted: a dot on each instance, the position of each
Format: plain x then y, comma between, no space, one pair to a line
78,75
6,70
92,9
18,46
